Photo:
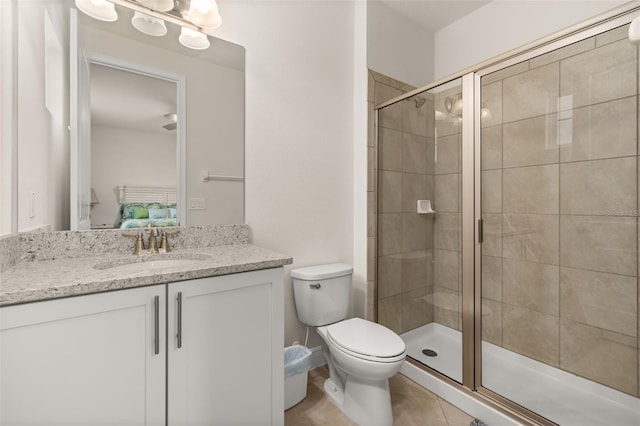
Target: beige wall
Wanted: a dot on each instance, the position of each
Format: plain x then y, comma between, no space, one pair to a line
560,194
300,130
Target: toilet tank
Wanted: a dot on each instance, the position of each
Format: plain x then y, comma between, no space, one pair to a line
322,293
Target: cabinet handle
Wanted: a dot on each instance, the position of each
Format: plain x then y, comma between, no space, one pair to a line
156,320
179,335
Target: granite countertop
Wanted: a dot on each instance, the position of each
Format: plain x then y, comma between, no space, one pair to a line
30,281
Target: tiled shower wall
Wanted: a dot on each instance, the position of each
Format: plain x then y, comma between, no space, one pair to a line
560,209
418,256
405,174
381,88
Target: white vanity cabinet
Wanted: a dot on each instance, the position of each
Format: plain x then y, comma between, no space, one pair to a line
225,350
207,351
98,359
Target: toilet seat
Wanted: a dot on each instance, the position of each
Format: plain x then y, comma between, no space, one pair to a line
366,340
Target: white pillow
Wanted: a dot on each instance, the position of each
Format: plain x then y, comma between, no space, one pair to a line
158,213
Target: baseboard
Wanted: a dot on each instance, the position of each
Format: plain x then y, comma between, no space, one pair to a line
317,358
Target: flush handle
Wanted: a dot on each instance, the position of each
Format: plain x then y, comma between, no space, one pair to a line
315,286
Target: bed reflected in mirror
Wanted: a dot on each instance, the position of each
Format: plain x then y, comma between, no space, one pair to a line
146,206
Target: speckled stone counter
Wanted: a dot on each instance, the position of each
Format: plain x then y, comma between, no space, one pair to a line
9,251
71,244
47,265
30,281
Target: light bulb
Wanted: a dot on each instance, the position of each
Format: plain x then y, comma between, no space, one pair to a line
205,14
202,6
101,10
193,39
148,24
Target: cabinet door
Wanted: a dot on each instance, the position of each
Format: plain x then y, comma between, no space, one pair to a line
86,360
225,350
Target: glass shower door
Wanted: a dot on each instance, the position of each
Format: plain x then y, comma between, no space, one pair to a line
419,280
560,253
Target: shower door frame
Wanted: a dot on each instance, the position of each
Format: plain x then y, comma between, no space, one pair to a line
471,198
600,24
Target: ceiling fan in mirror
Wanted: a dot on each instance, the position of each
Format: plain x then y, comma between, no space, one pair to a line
203,14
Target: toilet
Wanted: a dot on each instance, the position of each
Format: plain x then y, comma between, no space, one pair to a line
361,355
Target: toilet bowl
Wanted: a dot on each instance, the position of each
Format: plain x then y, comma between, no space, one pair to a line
360,381
361,354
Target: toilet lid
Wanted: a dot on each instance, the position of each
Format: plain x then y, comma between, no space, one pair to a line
366,338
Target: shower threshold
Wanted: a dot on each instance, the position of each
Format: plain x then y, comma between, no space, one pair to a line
560,396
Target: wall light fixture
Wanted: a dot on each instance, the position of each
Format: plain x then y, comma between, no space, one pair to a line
201,13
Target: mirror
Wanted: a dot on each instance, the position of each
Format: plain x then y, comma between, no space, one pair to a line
135,113
83,148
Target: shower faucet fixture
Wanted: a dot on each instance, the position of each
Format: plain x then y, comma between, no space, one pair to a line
453,105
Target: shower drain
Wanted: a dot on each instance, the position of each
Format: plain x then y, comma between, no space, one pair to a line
429,352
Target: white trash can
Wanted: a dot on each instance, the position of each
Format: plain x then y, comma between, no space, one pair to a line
297,361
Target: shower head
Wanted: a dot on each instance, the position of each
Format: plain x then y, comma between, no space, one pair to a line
419,100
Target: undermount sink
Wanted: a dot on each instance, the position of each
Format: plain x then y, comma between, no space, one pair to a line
152,262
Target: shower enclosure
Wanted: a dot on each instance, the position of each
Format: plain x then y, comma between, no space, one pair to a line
522,283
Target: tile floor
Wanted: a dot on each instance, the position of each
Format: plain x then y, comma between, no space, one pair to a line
412,405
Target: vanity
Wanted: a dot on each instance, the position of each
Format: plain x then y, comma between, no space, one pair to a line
194,336
89,333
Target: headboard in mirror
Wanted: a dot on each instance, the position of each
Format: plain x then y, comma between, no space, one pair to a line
87,120
147,194
142,206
